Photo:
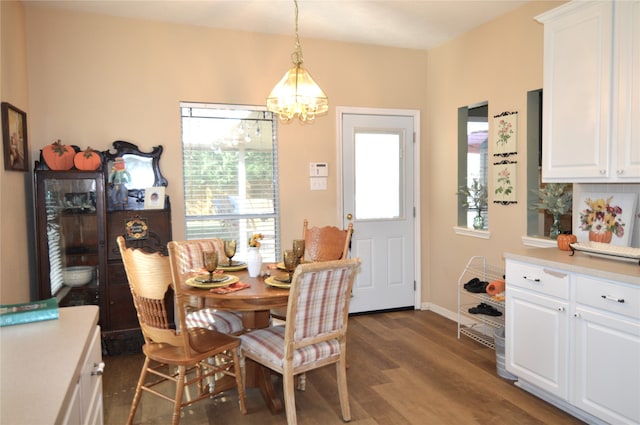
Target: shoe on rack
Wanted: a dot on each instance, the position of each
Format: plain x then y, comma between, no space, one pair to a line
476,286
486,309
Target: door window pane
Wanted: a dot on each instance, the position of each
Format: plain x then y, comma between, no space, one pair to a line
378,158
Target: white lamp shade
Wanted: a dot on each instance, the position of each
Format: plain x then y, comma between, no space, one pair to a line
296,94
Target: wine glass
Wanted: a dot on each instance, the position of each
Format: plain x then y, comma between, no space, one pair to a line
210,259
290,262
298,249
230,249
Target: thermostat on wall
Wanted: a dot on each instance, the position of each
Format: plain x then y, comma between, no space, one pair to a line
318,169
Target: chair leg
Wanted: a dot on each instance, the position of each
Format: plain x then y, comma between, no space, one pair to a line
177,406
136,397
343,392
239,372
288,385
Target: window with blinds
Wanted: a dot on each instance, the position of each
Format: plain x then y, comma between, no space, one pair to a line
230,175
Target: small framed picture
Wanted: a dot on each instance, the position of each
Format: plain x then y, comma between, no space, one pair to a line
154,198
14,136
136,228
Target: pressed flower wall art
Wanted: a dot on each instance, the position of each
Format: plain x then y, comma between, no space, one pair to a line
505,127
606,218
504,182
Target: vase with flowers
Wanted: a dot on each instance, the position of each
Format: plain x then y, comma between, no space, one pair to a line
475,198
555,198
254,258
602,220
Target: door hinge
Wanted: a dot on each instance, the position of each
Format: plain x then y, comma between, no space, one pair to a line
414,286
414,212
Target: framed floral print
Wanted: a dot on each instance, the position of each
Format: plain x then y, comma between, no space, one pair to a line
605,217
504,182
14,136
505,127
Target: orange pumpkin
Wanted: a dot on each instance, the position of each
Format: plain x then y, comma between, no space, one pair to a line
58,157
565,240
88,160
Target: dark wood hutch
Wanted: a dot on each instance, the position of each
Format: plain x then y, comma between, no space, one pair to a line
79,215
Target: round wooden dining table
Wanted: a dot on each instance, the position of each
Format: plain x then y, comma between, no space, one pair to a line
255,303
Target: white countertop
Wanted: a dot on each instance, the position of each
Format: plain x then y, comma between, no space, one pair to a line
580,262
40,365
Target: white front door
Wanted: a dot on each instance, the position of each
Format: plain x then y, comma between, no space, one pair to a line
378,198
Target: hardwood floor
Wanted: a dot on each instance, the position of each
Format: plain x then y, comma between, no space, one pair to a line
405,367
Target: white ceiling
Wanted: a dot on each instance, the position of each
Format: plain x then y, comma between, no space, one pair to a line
417,24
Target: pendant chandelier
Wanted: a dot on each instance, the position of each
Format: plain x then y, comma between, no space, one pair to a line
297,94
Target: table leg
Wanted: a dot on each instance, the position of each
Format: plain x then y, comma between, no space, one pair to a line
256,319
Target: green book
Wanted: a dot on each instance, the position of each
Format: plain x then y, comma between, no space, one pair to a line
36,311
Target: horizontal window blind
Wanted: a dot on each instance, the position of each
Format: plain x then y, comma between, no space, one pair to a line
230,175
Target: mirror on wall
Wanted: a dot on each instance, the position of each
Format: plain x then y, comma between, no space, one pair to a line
129,171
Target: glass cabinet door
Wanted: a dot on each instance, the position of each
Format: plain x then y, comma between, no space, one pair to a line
70,236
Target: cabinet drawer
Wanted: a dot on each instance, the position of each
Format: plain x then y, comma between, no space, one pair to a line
537,278
610,296
116,275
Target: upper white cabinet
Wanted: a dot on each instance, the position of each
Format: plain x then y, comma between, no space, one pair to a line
591,92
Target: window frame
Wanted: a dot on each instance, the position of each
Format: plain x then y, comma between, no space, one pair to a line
271,242
463,225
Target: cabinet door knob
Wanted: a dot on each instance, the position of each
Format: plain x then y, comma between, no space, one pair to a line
99,369
560,308
603,172
610,298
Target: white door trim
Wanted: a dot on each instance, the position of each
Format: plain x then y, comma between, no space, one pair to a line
342,110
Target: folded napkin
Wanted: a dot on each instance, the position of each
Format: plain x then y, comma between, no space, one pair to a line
231,288
495,287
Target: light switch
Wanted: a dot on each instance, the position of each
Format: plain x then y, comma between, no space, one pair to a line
318,169
318,183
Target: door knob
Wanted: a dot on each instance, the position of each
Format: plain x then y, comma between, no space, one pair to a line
349,216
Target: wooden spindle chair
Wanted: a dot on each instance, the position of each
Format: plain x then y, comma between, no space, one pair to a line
188,350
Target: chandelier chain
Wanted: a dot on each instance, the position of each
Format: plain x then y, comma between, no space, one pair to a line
296,56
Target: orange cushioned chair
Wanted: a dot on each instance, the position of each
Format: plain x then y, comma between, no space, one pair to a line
314,334
326,243
188,349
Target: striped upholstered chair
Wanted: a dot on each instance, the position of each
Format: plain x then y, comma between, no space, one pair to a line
314,334
189,257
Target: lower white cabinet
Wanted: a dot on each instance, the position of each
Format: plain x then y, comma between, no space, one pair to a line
52,370
90,383
85,406
574,340
607,350
541,357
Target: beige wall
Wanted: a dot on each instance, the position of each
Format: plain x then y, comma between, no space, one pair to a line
95,79
15,187
499,63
